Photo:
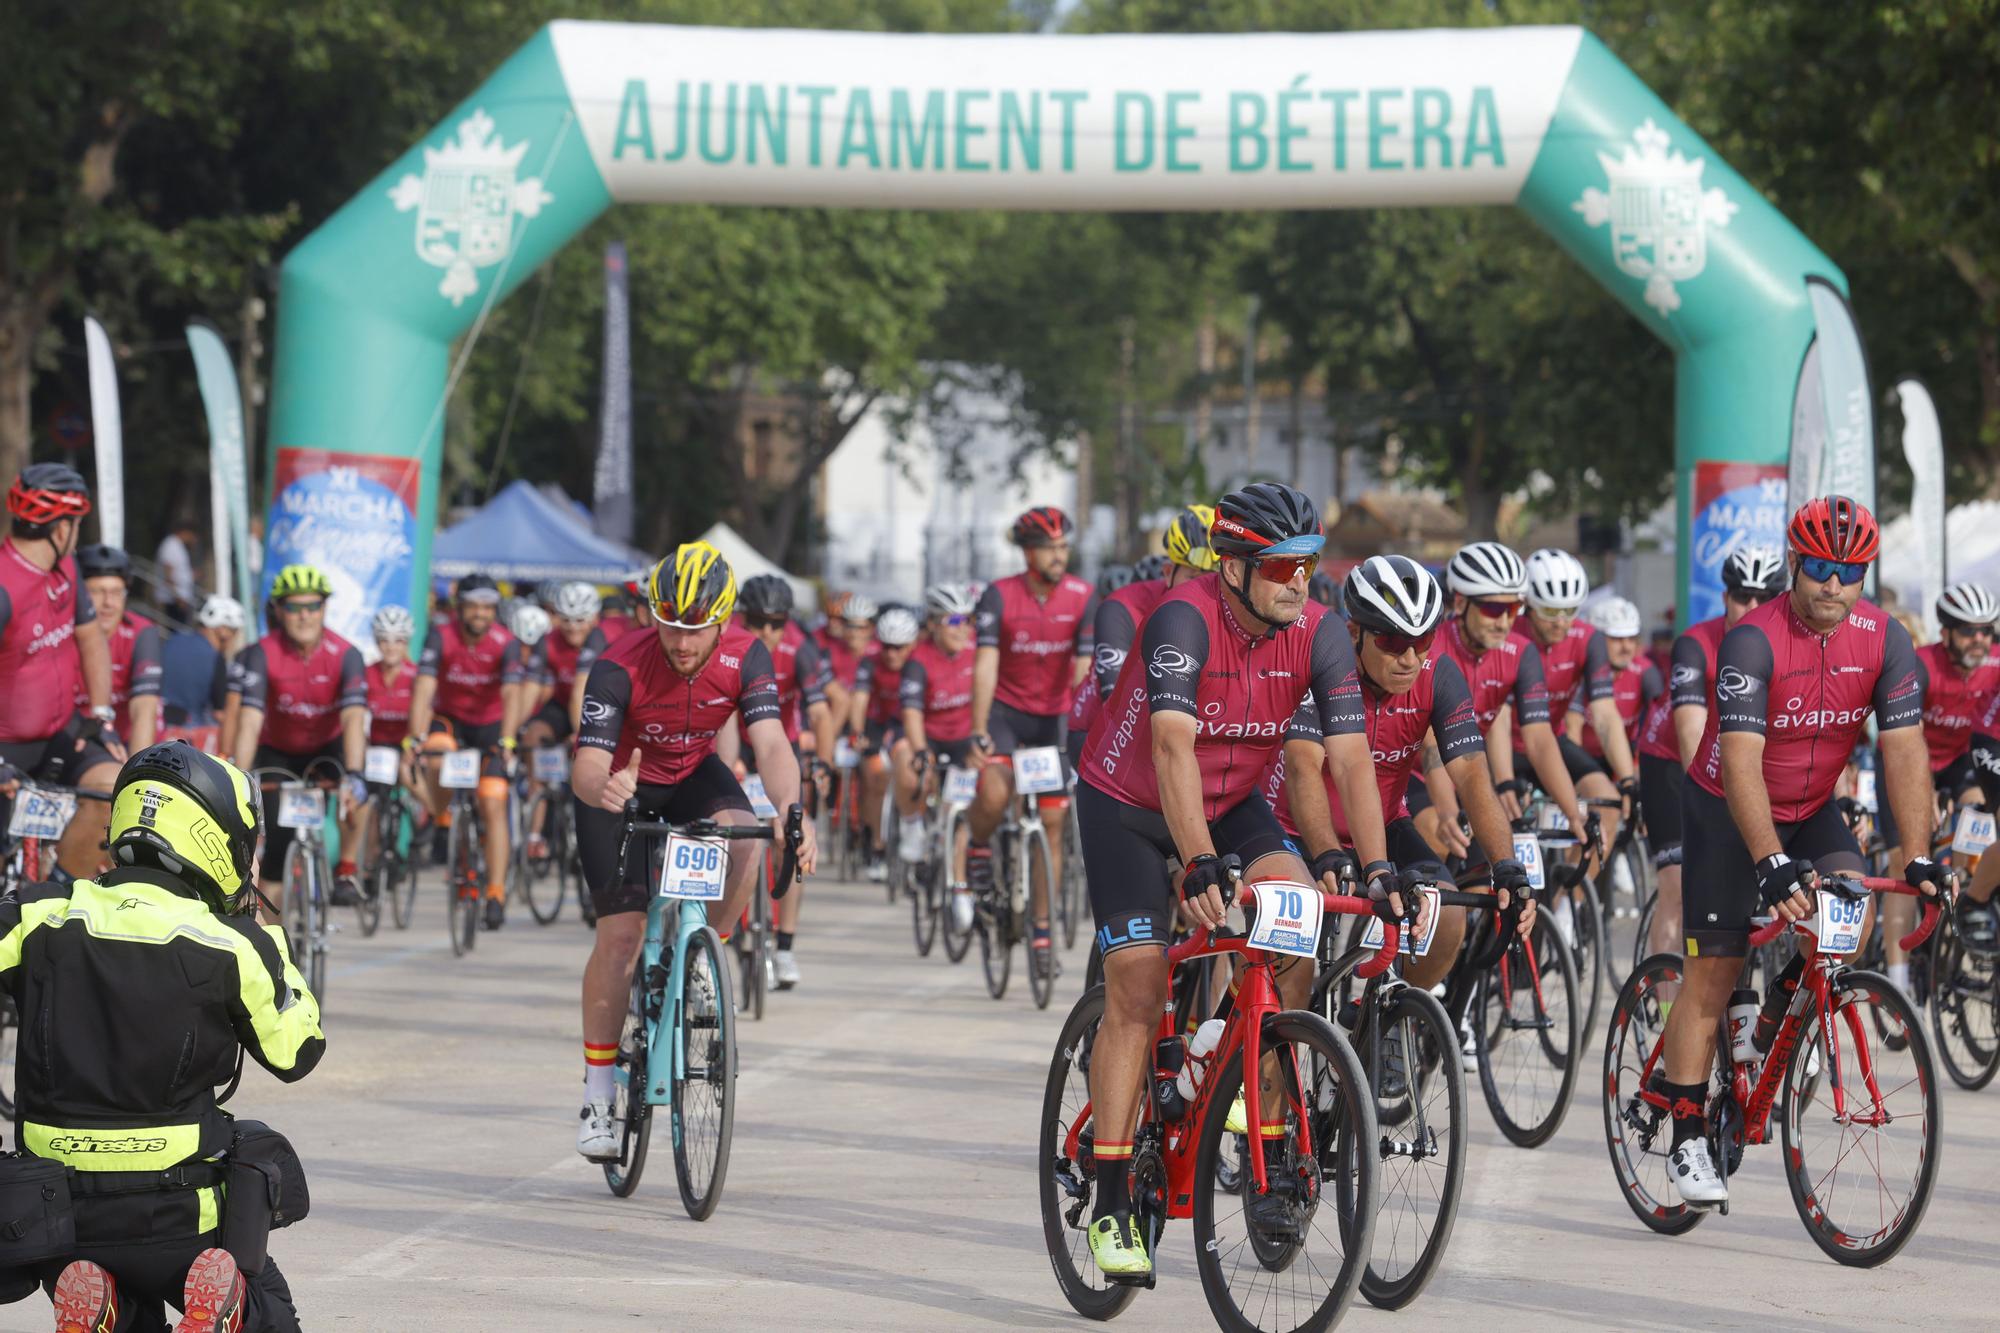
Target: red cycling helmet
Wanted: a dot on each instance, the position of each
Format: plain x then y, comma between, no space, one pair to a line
45,492
1041,526
1834,527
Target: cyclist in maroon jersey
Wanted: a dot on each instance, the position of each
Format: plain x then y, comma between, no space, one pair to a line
1171,769
1795,684
1978,921
1407,694
1033,635
936,702
1671,732
51,651
657,702
134,641
1636,683
875,720
554,670
468,696
304,696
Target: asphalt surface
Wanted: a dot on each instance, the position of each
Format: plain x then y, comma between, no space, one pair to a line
882,1173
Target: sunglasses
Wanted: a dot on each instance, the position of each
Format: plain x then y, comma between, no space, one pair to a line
1285,568
764,622
1395,645
1977,631
1495,610
1819,569
953,622
302,608
1752,599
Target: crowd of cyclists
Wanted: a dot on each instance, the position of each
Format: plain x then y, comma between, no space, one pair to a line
1224,712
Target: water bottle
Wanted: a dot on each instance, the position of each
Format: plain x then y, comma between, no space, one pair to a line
1743,1012
1169,1064
1200,1048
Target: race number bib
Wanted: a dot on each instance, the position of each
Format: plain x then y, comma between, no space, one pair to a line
1838,925
844,754
300,806
1288,918
760,803
1038,770
1864,789
1529,853
384,764
40,814
460,770
1372,937
551,764
1554,820
1974,833
693,868
960,786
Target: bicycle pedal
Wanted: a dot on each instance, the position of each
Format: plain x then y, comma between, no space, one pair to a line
1143,1281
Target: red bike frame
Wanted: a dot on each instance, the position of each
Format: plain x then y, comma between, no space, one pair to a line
1256,999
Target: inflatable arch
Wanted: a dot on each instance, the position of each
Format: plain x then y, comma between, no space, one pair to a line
587,114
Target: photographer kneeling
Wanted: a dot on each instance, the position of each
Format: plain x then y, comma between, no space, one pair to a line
137,992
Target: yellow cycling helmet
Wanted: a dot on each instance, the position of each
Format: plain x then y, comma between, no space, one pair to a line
1187,538
295,579
191,815
692,588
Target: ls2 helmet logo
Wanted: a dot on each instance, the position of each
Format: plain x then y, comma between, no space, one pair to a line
1659,214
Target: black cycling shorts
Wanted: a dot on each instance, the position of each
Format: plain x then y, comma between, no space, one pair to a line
58,760
1012,729
1417,793
956,754
1950,782
555,716
1719,880
881,736
278,841
1125,854
1660,783
481,736
1579,761
706,791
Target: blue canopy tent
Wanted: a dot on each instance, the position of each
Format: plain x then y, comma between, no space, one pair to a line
525,536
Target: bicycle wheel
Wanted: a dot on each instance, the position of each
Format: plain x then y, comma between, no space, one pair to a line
368,907
924,878
1860,1124
630,1110
1638,1132
1642,942
462,883
754,942
540,879
705,1094
395,856
1420,1144
1070,906
1035,858
318,905
956,942
1066,1172
1525,1014
1298,1266
993,925
1587,952
1965,1012
10,1053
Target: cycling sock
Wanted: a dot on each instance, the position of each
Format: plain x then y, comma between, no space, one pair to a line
784,939
1899,976
598,1062
345,870
1114,1178
1684,1104
497,889
1041,937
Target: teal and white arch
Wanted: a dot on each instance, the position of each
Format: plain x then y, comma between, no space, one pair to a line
587,114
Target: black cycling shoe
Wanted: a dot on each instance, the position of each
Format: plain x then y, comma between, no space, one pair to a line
1277,1214
1395,1072
1979,925
496,913
346,891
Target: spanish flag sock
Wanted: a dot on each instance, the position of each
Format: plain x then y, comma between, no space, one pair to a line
597,1066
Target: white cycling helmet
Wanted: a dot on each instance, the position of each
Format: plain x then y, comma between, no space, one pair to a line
1754,569
393,622
1967,606
1556,581
860,608
220,612
1393,594
577,601
897,627
1616,616
948,599
1486,569
530,624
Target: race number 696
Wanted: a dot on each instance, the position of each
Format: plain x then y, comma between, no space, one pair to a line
697,858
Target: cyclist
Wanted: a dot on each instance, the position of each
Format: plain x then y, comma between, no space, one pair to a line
1033,637
1635,681
1113,578
51,651
874,716
1671,734
1795,683
1171,768
802,675
652,706
304,696
558,660
468,696
1394,606
936,702
138,991
134,642
1149,568
194,667
1978,921
849,637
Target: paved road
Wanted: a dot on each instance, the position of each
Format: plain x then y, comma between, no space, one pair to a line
882,1177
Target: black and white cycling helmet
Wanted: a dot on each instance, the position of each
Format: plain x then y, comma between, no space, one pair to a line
1967,606
948,599
1393,594
897,627
860,609
1486,569
394,622
1617,617
1149,567
530,624
767,596
220,612
1754,569
1556,581
577,601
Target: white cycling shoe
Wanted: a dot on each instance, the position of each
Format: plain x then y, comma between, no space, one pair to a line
784,969
961,911
910,838
597,1136
1694,1176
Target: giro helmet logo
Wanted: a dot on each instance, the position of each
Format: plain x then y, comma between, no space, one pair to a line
466,201
1659,214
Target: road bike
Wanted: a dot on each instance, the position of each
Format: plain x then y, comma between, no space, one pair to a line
1571,900
754,939
394,821
307,875
37,816
1281,1242
1001,914
1858,1116
544,871
678,1046
465,848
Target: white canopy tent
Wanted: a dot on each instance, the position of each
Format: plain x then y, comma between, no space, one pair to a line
748,562
1972,551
